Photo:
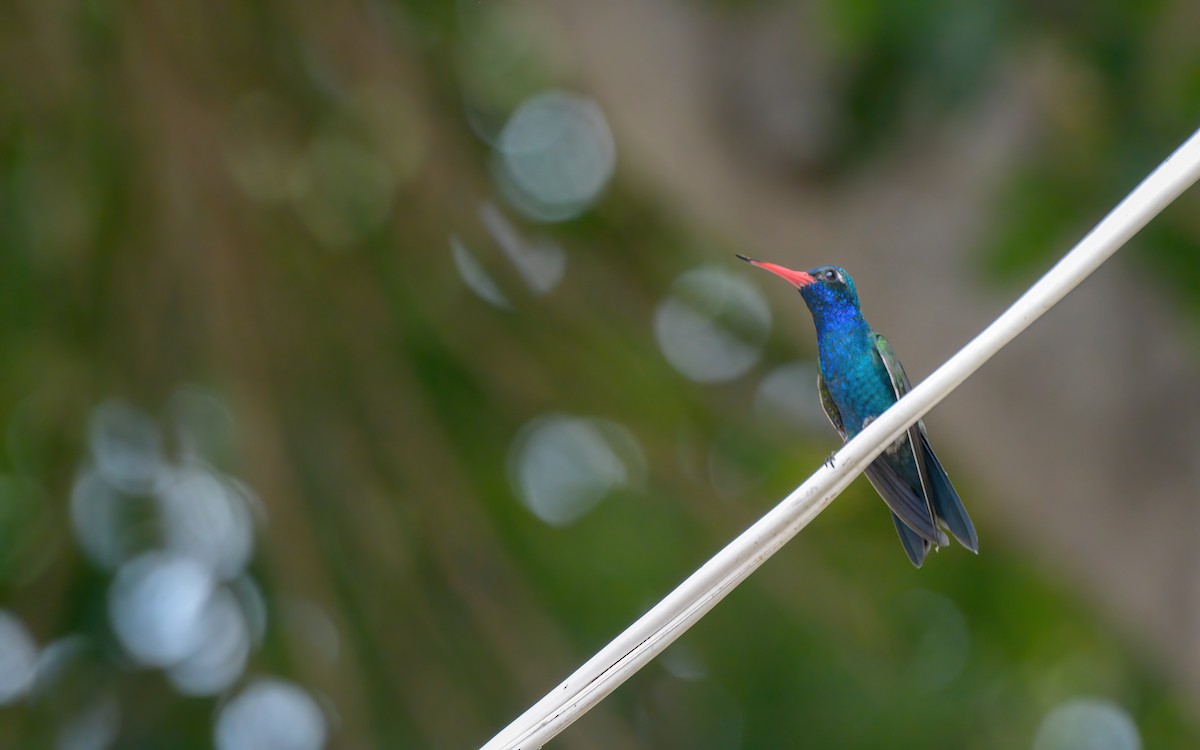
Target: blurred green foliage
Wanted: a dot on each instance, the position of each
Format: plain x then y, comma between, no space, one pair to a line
258,198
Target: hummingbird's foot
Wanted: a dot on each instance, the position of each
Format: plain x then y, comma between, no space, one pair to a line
830,462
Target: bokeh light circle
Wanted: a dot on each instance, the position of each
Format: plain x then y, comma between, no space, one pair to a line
206,519
271,714
222,649
1087,724
157,605
18,659
555,156
788,396
100,516
342,189
562,466
712,325
127,446
476,277
93,727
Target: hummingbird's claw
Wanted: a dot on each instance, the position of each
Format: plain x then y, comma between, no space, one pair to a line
830,462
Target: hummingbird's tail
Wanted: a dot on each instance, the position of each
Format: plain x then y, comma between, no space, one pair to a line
914,546
946,503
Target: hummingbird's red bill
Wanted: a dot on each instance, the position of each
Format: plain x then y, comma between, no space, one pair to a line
798,279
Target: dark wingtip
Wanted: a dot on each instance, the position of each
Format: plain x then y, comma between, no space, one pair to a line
743,257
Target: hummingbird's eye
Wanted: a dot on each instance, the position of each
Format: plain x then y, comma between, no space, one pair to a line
830,275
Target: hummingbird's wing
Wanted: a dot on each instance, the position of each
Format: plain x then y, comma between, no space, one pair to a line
904,501
944,501
831,409
910,446
909,507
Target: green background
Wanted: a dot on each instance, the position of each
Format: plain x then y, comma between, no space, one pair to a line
248,209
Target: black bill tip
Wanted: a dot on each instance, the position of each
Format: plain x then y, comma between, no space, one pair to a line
743,257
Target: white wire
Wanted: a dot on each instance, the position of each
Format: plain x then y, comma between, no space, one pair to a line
671,617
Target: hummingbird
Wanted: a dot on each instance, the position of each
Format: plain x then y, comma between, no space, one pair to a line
859,377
